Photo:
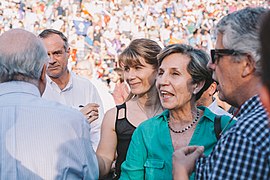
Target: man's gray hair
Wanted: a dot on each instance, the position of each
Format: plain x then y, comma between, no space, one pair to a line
21,61
240,32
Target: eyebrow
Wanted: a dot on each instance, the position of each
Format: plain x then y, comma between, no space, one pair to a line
57,51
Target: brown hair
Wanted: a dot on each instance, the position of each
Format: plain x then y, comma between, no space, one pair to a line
139,49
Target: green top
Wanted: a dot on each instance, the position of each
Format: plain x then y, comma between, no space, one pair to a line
150,151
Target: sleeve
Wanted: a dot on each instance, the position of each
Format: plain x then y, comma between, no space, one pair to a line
96,125
133,167
234,157
92,170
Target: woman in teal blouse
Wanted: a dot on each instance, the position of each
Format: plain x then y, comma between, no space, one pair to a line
181,79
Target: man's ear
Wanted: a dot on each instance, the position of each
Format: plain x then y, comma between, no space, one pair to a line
212,88
249,66
265,97
198,87
42,80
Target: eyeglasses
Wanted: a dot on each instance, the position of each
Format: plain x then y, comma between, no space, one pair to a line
216,54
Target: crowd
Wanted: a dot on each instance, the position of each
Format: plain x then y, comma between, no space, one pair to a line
57,124
99,30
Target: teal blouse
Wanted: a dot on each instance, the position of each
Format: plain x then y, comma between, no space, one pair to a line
150,151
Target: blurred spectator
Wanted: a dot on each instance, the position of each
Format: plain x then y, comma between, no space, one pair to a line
134,19
121,89
85,69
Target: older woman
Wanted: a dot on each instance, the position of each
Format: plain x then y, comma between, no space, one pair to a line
182,78
140,64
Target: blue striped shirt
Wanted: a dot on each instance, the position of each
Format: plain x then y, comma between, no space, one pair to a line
40,139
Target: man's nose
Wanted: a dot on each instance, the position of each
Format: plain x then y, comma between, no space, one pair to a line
51,58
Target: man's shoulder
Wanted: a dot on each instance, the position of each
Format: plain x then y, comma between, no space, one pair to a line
81,81
252,127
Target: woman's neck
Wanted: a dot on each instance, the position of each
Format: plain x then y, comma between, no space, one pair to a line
184,114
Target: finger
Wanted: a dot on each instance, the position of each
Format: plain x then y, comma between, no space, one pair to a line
189,149
92,118
86,110
198,152
94,105
94,113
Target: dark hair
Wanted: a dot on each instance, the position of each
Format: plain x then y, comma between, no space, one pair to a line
47,32
140,49
197,67
265,50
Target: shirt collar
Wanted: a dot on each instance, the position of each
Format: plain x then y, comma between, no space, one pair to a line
18,87
207,113
249,105
68,86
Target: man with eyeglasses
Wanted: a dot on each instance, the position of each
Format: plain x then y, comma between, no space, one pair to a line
66,87
243,152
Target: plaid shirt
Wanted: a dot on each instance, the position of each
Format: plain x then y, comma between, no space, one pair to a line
243,152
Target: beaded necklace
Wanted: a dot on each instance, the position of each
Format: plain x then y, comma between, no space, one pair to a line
186,128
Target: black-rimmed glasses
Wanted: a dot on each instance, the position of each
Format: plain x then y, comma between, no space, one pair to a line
216,54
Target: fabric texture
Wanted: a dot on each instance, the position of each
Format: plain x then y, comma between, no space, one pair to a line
243,152
124,130
218,110
78,91
150,151
40,139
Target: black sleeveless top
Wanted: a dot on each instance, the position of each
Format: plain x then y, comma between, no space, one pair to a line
124,130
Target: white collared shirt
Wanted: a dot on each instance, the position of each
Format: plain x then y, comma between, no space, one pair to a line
78,91
218,110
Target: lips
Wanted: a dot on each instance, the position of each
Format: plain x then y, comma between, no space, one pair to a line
133,84
53,67
166,94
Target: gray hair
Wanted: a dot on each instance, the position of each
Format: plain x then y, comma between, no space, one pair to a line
240,32
24,57
197,67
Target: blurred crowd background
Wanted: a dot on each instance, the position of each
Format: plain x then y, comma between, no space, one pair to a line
98,30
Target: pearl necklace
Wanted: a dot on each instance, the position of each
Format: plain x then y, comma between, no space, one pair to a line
186,128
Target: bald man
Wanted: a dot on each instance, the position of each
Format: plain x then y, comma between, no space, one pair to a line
39,139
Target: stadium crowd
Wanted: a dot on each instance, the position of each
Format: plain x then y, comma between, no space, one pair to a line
99,30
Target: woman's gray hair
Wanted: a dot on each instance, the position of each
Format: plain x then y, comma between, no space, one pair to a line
23,65
240,32
197,67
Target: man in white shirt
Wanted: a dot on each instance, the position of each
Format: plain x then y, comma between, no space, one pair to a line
67,88
39,139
